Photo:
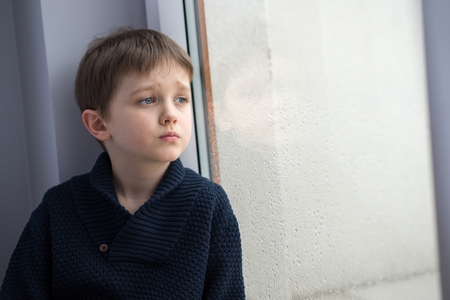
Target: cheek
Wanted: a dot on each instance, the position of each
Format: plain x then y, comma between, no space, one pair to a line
138,131
187,123
186,116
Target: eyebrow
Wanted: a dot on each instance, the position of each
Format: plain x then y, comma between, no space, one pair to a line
151,87
142,89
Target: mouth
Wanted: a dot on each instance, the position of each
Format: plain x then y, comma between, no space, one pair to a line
169,136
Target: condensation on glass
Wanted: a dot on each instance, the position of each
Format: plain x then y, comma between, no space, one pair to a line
322,132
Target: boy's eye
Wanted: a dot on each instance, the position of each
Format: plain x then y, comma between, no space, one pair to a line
147,101
181,100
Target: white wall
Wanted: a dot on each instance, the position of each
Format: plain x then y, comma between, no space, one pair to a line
323,137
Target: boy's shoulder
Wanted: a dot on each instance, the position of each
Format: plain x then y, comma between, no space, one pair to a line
191,175
207,186
63,193
58,191
210,194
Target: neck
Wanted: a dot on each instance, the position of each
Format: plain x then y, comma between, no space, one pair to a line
136,181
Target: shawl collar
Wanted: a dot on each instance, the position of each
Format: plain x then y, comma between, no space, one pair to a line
150,234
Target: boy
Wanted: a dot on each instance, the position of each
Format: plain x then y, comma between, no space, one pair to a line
139,225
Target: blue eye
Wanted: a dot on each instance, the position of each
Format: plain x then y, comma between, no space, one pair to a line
181,100
147,101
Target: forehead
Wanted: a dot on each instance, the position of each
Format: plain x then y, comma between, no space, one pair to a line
162,69
172,74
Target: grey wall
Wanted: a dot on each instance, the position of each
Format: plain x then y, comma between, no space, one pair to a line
43,141
36,98
68,28
437,26
15,197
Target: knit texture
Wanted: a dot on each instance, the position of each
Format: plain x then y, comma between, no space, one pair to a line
183,243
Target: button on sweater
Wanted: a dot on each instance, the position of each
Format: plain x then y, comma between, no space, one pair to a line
80,243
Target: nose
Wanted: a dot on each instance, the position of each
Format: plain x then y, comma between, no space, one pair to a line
168,115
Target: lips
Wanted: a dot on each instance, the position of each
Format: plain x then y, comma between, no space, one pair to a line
169,136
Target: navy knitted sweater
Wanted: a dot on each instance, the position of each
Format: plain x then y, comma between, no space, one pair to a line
80,243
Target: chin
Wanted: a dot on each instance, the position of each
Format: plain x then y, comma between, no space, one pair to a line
170,158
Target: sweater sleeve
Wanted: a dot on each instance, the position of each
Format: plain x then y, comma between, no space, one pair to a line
29,271
224,279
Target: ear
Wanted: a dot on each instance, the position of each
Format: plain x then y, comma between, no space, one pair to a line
95,125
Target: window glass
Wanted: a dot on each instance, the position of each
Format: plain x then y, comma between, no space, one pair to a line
322,132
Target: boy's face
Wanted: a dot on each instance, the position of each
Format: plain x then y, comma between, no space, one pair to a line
150,116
